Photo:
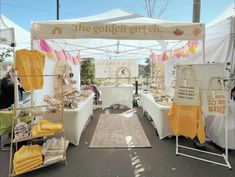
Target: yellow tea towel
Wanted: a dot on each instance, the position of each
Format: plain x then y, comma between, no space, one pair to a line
187,121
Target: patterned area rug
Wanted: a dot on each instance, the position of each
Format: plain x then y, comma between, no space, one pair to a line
118,131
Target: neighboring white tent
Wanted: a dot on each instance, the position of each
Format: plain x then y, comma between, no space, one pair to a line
10,30
12,35
114,43
219,43
219,47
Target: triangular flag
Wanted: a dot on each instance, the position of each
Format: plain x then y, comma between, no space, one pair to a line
53,54
164,57
152,56
44,46
192,50
49,54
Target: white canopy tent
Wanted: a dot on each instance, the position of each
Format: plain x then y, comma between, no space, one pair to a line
116,34
10,33
219,43
219,48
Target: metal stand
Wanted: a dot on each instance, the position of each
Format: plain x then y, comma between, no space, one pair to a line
225,156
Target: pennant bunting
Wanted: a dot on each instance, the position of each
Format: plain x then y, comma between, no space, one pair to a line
189,49
59,55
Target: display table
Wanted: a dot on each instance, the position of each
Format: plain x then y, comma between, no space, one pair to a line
158,113
76,120
111,95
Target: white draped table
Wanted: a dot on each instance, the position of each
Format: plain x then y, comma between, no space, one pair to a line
158,113
111,95
76,120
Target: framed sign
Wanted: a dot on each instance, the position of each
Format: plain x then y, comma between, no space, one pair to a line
109,68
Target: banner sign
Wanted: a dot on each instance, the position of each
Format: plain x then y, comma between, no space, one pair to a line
109,68
154,31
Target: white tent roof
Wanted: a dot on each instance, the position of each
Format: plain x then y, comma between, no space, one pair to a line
227,13
219,43
22,37
106,48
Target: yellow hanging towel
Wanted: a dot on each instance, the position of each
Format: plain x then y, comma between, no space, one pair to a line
187,121
30,63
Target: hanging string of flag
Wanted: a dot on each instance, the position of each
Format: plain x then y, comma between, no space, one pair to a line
58,55
189,49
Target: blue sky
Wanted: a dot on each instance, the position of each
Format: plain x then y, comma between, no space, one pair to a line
23,12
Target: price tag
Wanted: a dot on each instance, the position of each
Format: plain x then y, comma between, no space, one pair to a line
213,94
185,83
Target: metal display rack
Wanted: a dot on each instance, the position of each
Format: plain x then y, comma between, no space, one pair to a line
14,143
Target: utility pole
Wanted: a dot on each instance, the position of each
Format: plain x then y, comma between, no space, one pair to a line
196,11
57,9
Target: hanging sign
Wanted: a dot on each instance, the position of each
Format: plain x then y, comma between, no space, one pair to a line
109,68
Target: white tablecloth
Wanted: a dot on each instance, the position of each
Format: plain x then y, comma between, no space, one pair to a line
158,113
215,128
75,120
111,95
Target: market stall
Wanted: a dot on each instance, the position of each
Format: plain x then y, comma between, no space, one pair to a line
133,28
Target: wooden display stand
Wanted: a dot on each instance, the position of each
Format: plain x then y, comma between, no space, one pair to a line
17,119
159,77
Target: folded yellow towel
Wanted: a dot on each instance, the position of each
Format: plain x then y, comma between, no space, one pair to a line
27,152
49,125
36,134
52,126
28,167
27,162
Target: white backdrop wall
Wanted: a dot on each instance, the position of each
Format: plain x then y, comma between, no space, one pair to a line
48,86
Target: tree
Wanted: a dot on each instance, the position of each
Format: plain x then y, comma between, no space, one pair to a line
144,70
152,5
5,53
88,72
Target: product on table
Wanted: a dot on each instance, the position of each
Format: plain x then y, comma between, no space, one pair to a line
52,101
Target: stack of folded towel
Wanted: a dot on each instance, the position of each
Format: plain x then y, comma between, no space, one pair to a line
46,128
27,158
54,150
